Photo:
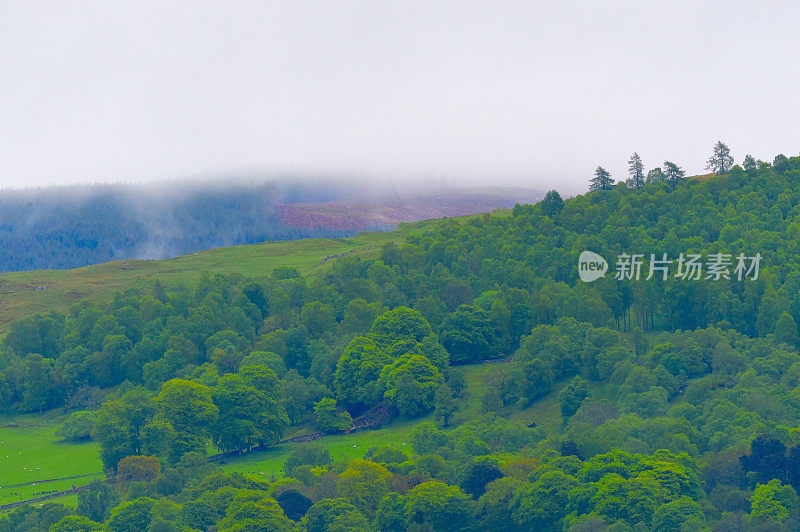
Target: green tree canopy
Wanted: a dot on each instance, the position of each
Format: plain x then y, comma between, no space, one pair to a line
469,335
410,383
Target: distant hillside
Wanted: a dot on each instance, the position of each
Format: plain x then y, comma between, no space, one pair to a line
385,211
71,227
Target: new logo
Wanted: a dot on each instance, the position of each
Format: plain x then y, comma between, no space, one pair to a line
591,266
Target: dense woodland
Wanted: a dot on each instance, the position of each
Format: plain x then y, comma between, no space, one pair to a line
680,400
70,227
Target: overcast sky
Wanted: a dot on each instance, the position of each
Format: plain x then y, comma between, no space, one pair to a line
533,93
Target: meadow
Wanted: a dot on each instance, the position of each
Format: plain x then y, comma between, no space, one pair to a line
34,462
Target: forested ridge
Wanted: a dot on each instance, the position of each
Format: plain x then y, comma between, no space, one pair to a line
71,227
67,227
679,400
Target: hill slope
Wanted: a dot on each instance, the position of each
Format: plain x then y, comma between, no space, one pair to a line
28,292
636,402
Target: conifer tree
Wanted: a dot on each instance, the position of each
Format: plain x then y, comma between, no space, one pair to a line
636,171
601,180
721,161
673,173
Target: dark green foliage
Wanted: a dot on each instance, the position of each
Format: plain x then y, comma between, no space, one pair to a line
410,383
469,335
254,510
786,330
491,400
294,504
767,459
318,319
389,455
552,203
572,396
601,180
96,502
656,175
76,523
391,514
680,513
334,514
250,412
438,505
426,438
285,272
673,174
399,324
357,373
119,426
33,517
477,476
537,379
255,293
39,334
131,516
185,414
300,395
359,316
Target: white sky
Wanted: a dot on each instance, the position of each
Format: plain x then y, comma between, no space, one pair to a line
527,93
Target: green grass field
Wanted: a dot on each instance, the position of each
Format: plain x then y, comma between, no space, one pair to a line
31,453
33,445
343,447
545,412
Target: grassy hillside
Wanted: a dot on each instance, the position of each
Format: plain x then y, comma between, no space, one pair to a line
26,293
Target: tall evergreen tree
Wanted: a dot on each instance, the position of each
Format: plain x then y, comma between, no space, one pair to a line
636,171
749,163
552,203
721,161
601,180
673,173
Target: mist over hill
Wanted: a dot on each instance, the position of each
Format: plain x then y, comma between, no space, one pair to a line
70,227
